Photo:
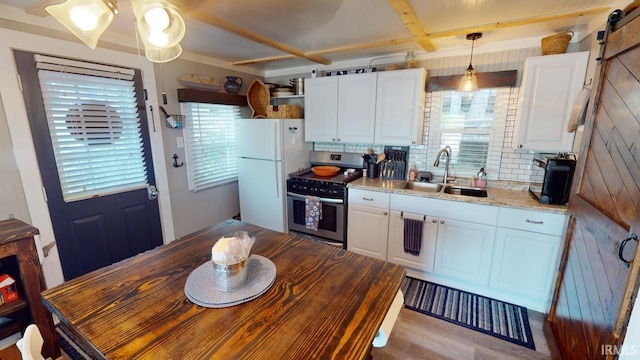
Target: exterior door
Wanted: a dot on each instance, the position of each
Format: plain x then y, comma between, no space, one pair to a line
597,283
116,221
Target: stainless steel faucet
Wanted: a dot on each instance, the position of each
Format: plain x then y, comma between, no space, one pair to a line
447,151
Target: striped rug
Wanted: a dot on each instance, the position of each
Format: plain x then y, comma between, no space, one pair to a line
490,316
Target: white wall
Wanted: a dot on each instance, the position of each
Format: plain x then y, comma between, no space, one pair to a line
12,200
23,147
193,211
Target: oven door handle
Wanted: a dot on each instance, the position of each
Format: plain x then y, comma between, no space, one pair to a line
323,200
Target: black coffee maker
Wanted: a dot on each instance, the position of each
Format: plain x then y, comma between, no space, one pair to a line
558,176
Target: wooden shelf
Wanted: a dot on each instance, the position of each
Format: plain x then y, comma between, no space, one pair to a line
10,328
20,259
485,80
287,97
11,307
210,97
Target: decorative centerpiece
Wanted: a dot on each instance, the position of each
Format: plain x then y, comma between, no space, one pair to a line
233,275
229,256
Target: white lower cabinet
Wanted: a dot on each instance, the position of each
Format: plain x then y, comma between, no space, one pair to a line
524,262
526,255
368,223
464,250
504,253
395,253
367,232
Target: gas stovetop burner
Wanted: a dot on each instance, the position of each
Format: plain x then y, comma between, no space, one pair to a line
340,178
344,161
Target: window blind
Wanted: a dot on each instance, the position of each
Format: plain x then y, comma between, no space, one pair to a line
210,144
95,130
472,125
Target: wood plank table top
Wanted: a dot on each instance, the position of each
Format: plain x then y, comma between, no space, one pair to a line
326,303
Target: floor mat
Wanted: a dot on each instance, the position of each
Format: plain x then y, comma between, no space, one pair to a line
490,316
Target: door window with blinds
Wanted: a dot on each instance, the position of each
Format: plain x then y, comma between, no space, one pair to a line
94,126
210,144
472,125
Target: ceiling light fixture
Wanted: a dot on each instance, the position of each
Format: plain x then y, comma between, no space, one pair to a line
159,24
161,28
469,81
86,19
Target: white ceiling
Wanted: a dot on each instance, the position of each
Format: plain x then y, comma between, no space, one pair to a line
310,25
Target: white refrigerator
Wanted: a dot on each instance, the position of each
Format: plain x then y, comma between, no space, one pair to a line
268,151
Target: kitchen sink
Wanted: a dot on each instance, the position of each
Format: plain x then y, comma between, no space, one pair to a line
422,186
465,191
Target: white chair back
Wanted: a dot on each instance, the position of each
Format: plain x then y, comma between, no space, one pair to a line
31,344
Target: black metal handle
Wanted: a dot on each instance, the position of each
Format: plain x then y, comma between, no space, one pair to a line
621,249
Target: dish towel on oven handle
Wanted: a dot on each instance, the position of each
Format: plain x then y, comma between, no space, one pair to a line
312,212
412,236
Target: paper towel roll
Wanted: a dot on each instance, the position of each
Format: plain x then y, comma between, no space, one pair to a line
389,320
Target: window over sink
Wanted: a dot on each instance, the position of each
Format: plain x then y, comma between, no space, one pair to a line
473,125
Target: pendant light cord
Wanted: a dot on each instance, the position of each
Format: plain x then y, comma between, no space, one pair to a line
471,59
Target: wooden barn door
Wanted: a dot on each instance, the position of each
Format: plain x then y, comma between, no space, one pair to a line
597,283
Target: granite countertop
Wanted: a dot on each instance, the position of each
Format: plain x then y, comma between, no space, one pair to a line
500,193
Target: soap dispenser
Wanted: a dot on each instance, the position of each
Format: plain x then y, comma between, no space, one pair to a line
481,179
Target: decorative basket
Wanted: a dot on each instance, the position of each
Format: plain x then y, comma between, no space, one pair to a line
258,98
284,112
556,44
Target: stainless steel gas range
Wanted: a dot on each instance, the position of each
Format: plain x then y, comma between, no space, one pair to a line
332,194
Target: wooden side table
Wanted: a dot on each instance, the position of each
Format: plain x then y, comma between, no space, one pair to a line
19,258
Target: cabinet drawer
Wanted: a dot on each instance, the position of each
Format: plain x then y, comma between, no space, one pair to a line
535,221
369,198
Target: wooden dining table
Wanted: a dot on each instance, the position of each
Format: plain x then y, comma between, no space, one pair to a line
325,303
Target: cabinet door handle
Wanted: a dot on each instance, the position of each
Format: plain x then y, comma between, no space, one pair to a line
434,221
621,249
441,221
333,139
535,222
384,213
338,139
367,199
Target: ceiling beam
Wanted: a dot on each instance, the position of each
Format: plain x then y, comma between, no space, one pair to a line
519,22
353,47
409,18
240,31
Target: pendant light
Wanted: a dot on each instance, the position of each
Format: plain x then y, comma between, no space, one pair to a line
469,81
159,24
86,19
162,55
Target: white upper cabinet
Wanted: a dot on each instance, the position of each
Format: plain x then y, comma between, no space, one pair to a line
321,109
340,108
400,107
549,88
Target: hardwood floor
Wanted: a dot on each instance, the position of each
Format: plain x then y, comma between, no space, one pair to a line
420,337
417,336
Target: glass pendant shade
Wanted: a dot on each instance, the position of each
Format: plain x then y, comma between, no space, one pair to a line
469,81
86,19
159,24
162,55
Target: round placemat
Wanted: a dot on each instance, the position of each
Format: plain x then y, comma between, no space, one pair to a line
200,290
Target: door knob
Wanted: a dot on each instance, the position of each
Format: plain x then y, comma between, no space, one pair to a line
152,192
